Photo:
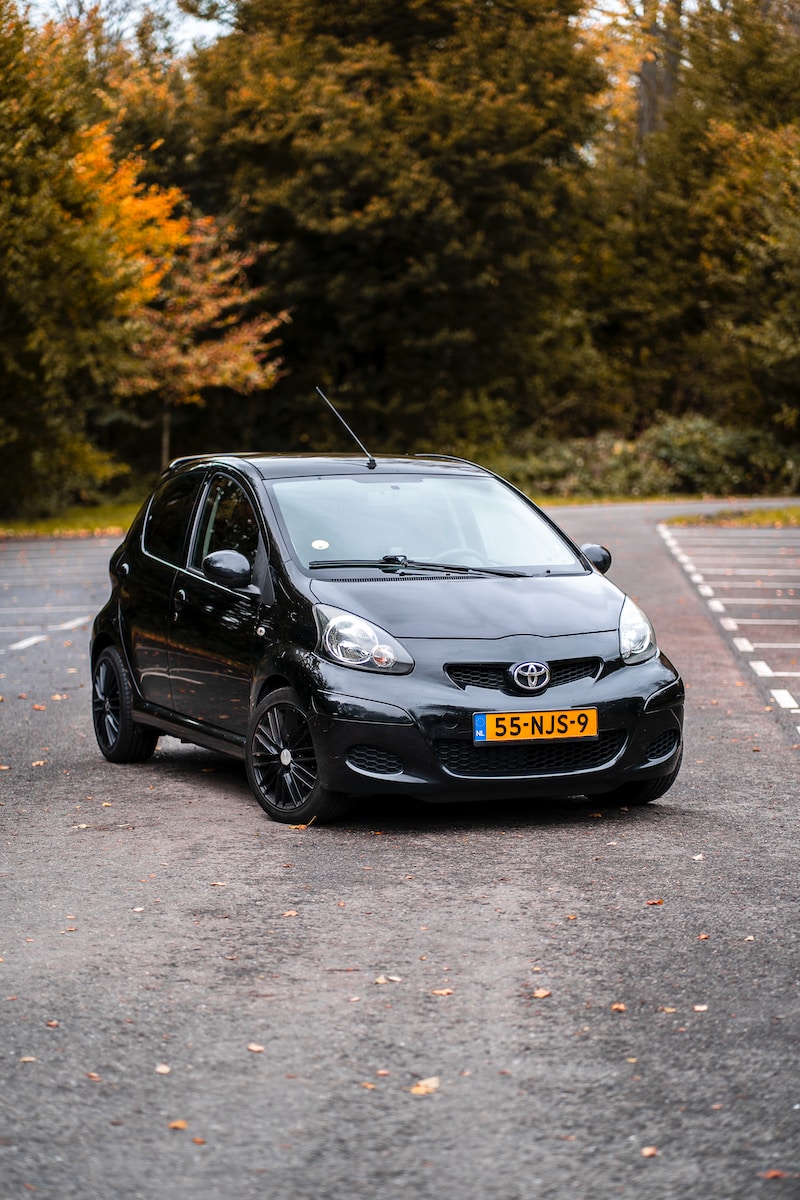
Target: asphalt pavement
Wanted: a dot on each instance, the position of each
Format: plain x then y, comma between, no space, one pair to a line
569,1000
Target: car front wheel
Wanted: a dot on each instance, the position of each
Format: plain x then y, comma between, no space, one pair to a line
118,736
644,792
282,764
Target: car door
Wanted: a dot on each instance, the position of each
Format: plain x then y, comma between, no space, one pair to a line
147,574
213,642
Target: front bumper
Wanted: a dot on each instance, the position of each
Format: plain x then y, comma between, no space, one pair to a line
413,734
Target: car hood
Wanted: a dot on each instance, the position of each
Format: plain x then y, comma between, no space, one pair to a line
478,606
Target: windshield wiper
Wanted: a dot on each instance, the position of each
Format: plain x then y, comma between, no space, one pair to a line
398,562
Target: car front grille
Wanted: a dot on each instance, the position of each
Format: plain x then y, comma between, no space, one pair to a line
460,757
494,675
374,761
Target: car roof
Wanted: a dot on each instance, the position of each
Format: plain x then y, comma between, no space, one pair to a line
292,466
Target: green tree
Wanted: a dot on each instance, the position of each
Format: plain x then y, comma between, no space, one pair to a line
417,168
697,246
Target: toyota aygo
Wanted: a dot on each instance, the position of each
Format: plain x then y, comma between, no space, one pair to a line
353,625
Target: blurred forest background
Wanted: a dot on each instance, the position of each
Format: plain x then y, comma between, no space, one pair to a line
560,237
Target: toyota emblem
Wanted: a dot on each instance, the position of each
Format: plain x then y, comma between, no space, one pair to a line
531,676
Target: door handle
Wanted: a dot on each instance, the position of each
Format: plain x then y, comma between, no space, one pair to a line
178,601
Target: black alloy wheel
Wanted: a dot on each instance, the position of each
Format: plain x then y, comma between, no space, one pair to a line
282,764
118,736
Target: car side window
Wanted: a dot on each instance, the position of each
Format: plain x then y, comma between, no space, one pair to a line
164,533
228,522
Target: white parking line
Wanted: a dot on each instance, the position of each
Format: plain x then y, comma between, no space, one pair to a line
26,643
723,563
73,624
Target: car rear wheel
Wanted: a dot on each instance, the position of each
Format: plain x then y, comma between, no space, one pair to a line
119,738
282,764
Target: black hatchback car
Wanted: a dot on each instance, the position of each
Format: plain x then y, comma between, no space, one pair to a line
350,625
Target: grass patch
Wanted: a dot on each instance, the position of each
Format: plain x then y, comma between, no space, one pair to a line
102,520
756,518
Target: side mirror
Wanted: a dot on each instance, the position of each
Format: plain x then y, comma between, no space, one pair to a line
598,556
228,567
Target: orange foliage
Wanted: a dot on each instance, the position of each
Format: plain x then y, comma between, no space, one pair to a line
139,221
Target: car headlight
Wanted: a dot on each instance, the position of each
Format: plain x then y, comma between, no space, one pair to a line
355,642
637,639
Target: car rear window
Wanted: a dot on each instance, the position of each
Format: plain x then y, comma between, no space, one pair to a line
168,516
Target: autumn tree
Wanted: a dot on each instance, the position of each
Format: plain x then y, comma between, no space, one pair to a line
80,241
416,168
194,335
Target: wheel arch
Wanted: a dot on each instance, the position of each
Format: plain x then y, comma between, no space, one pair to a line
272,683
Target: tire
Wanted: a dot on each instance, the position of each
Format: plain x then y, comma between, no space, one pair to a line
119,738
644,792
282,764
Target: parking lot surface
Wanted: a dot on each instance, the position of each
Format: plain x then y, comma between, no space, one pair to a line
565,1000
750,580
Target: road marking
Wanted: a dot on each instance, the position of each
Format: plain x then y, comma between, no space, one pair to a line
73,624
719,566
26,643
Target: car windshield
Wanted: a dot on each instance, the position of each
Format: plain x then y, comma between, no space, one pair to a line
377,521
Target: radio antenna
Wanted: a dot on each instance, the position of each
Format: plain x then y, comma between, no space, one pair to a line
371,464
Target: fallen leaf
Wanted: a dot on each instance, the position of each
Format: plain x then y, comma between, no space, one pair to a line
426,1087
702,937
162,1069
52,1024
774,1174
618,1006
27,1057
667,1010
4,767
178,1125
40,762
39,707
218,883
572,917
442,992
541,993
95,1078
199,1141
649,1151
290,912
255,1048
654,901
369,1086
701,1008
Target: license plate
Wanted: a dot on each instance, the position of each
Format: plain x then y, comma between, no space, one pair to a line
534,727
